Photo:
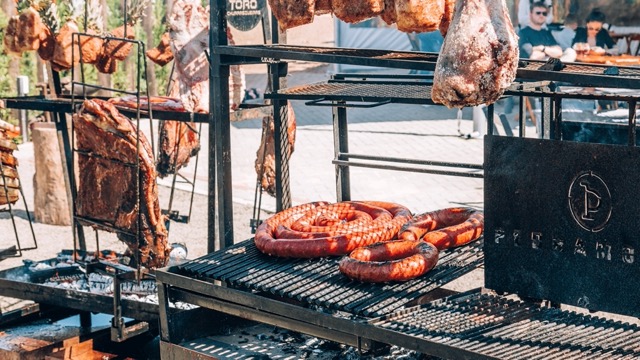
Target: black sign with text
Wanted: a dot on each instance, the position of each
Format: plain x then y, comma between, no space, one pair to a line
244,15
561,222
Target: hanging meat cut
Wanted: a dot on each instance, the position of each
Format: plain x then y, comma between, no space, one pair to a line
292,13
66,53
479,57
354,11
162,53
189,38
108,190
266,158
9,183
24,31
189,32
418,15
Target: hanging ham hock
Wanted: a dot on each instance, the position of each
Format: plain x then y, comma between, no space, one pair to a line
479,57
107,187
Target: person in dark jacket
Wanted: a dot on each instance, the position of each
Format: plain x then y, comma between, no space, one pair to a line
595,34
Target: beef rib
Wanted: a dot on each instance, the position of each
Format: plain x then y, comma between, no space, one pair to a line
107,189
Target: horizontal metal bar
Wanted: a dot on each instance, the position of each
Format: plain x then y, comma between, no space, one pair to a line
253,301
81,84
409,169
410,161
104,225
327,102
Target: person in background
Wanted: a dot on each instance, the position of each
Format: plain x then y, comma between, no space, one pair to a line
523,12
595,34
564,37
536,42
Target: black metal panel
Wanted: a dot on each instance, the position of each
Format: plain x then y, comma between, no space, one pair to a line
319,282
561,222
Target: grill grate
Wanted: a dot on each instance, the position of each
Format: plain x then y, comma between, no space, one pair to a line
319,282
505,328
361,91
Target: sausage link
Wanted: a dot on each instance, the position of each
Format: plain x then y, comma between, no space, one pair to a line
396,260
275,236
453,227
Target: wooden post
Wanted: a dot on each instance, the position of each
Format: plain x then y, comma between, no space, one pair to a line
50,195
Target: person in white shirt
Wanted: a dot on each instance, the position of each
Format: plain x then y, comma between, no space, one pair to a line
523,12
565,36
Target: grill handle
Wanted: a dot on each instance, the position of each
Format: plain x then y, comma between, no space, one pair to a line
326,102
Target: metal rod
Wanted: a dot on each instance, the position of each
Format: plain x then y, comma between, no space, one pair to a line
340,152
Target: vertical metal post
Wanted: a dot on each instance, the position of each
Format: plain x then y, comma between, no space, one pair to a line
220,219
22,84
278,72
341,146
490,125
556,129
163,305
632,123
547,113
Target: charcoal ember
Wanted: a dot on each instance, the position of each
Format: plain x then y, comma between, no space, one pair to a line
611,70
553,64
107,186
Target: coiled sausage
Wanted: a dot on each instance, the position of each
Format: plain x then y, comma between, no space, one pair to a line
445,228
397,260
322,229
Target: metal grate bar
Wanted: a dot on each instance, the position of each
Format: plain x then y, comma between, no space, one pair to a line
512,329
319,282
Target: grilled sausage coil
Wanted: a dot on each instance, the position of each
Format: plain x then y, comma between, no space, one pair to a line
321,229
397,260
445,228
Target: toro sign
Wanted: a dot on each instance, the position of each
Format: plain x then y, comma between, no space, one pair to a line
244,15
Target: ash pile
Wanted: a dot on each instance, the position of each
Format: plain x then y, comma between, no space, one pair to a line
72,270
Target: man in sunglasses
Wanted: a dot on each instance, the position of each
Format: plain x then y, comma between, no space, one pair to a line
523,8
536,41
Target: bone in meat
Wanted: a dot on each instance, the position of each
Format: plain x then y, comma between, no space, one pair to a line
107,147
418,15
66,54
354,11
266,162
479,57
292,13
189,32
